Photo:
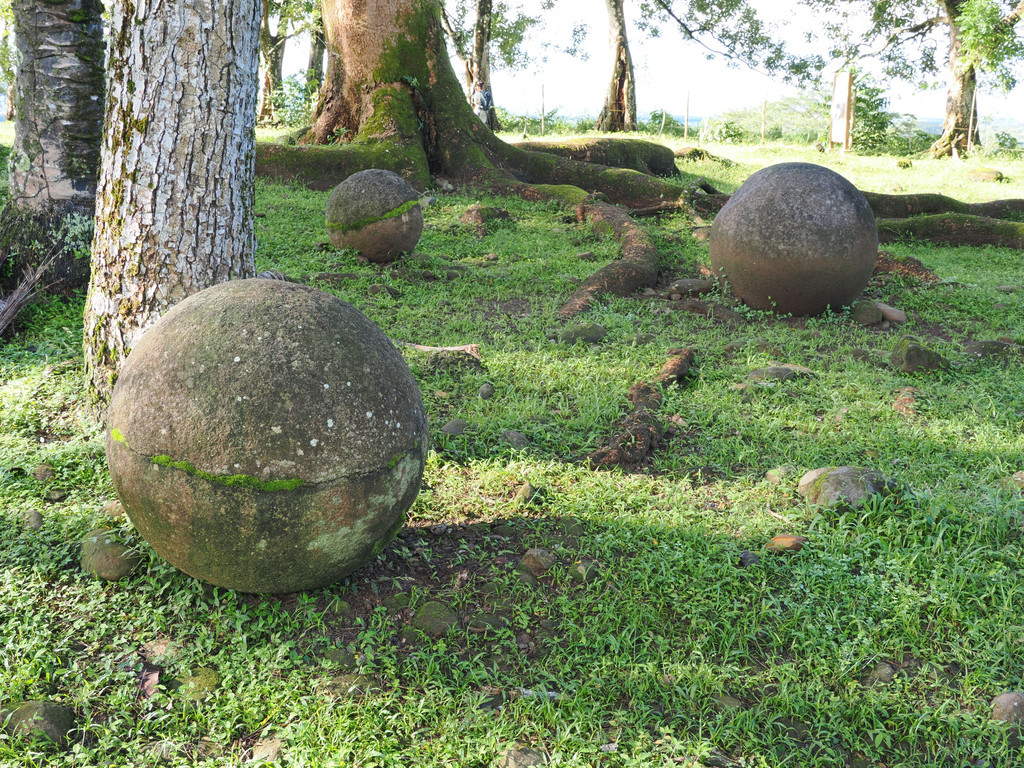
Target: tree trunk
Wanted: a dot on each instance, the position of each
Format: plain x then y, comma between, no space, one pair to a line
317,49
960,126
58,125
174,207
482,56
272,58
619,112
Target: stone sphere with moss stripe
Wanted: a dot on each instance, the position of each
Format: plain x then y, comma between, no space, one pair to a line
266,437
376,213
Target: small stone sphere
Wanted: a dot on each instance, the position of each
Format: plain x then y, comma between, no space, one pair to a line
796,238
267,437
376,213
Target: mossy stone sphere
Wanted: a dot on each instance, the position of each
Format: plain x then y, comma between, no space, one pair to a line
796,238
376,213
266,437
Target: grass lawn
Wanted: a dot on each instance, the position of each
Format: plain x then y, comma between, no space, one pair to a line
881,642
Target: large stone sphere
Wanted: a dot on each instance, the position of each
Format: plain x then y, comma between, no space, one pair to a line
796,238
377,213
266,437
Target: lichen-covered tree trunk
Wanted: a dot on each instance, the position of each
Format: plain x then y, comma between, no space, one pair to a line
960,126
619,111
59,121
174,205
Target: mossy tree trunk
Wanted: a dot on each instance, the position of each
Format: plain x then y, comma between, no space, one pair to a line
619,111
317,49
174,205
58,125
960,126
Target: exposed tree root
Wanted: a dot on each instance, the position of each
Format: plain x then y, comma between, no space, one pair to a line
639,434
904,206
636,268
954,229
644,156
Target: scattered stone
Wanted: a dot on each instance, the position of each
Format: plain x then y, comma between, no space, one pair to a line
904,164
891,314
589,333
528,578
910,357
748,559
676,368
208,749
1014,482
486,391
1008,707
584,571
521,757
733,347
587,256
159,650
377,288
796,238
162,750
779,475
989,349
39,719
345,657
1007,288
455,427
985,174
104,557
343,435
723,702
479,216
114,508
348,686
266,750
517,440
689,287
32,520
452,362
786,543
525,493
866,313
639,339
56,494
198,685
537,561
43,473
882,674
434,619
486,622
906,401
780,372
843,485
376,213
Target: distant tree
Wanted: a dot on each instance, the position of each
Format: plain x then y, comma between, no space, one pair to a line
619,111
58,123
7,55
317,50
981,38
174,209
282,20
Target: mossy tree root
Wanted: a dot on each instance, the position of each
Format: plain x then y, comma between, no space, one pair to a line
954,229
635,154
904,206
636,268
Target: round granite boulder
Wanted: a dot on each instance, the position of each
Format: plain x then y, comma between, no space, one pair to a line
377,213
266,436
796,238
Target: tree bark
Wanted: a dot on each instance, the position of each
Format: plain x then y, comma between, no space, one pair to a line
960,126
481,63
619,112
272,56
174,210
317,49
59,121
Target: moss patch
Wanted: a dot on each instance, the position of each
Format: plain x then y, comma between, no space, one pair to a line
393,213
231,481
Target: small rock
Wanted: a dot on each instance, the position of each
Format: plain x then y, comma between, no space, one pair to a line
159,650
786,543
891,314
590,333
104,557
587,256
985,174
486,391
32,519
517,440
377,288
747,559
434,618
198,685
486,622
989,349
639,339
1008,707
345,658
528,578
906,401
208,749
537,561
779,475
348,686
780,372
162,750
39,719
843,485
399,600
43,473
676,368
521,757
267,750
690,287
1007,288
455,427
882,673
525,493
1014,482
56,494
584,571
866,313
113,508
723,702
911,357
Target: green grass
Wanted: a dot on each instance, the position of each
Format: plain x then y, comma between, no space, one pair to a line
671,656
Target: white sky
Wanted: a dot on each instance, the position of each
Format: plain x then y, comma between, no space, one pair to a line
669,68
